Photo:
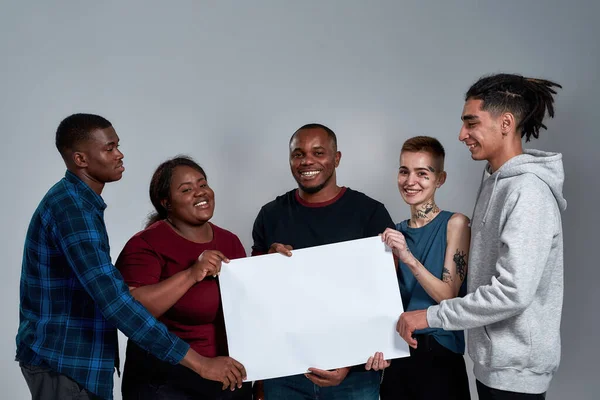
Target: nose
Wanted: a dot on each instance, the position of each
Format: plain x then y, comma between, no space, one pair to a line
306,160
463,134
410,179
119,153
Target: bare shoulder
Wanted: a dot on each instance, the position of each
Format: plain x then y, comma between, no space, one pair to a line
458,221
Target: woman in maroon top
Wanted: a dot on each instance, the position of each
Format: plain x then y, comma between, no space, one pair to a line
172,268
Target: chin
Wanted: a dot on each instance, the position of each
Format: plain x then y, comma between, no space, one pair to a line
311,189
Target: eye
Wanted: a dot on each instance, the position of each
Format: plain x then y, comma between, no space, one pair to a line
296,155
186,190
422,174
319,153
403,172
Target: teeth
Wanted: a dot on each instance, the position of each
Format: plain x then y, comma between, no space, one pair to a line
309,173
202,203
470,146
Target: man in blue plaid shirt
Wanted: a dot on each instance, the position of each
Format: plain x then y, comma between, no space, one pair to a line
72,298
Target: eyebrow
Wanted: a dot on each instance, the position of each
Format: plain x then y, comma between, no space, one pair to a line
312,148
189,183
469,117
420,168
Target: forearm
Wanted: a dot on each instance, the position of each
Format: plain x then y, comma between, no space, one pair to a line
437,289
487,305
193,361
160,297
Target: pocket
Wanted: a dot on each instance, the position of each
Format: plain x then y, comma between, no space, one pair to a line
510,342
479,345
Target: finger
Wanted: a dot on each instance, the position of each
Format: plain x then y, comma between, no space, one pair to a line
284,249
376,362
225,383
232,380
222,257
380,361
237,374
387,363
323,373
240,368
316,380
369,363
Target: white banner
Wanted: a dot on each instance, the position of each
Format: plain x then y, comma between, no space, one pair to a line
326,307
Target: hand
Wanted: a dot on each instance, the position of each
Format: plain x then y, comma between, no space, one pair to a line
409,322
377,362
396,241
225,370
324,378
258,391
209,263
284,249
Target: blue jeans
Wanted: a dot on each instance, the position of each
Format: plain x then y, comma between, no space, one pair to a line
358,385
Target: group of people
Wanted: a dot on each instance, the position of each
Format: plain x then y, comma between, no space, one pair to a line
498,276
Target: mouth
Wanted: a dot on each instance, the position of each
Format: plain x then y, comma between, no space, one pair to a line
120,167
411,192
201,204
471,146
310,174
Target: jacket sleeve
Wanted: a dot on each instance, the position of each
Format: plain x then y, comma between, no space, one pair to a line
530,222
82,238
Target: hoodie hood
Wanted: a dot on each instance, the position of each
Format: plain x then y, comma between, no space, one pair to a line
548,167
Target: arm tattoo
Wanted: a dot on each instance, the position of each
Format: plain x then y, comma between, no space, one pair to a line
446,277
461,263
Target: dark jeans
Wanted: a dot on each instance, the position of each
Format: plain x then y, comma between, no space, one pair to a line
47,384
145,377
487,393
431,372
358,385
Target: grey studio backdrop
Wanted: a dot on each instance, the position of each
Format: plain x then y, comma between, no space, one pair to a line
227,82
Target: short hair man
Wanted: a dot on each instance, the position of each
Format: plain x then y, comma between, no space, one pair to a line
73,299
515,288
318,212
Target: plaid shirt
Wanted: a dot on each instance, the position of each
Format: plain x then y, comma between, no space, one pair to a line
73,298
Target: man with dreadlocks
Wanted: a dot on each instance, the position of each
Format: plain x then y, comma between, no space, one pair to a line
515,287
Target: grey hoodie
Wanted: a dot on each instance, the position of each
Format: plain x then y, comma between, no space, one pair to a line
515,280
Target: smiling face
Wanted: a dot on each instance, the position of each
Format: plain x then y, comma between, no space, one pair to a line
313,160
192,201
419,177
481,132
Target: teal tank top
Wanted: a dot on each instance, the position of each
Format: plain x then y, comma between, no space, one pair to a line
428,245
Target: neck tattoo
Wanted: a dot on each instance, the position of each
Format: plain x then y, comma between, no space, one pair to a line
426,212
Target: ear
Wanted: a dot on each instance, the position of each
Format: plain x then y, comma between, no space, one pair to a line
338,157
441,179
507,123
165,203
79,159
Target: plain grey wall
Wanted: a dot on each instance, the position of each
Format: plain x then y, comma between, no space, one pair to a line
227,82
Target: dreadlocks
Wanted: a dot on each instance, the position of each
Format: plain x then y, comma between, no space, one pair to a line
526,98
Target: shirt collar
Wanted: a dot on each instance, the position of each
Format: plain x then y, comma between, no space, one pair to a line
85,191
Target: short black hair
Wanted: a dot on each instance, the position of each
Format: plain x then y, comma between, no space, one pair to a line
315,125
77,128
526,98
